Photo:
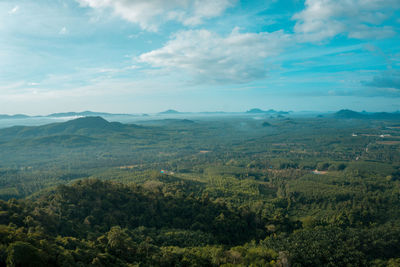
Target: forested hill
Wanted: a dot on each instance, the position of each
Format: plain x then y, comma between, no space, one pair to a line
97,223
110,223
100,205
80,126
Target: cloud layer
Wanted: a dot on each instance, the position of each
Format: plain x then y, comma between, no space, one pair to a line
211,58
149,14
360,19
14,10
388,80
241,57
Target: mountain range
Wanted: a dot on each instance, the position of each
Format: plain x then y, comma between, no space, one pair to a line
270,111
82,126
341,114
105,114
83,114
64,114
16,116
350,114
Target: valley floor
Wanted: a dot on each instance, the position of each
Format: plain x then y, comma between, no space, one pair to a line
231,191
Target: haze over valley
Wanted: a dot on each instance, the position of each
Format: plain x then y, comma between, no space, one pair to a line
199,133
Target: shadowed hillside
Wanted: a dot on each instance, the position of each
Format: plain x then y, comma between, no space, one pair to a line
80,126
350,114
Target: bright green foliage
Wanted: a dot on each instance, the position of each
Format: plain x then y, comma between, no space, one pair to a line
234,192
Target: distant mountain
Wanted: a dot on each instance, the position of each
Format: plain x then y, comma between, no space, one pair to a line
255,110
350,114
260,111
83,114
170,111
82,126
16,116
63,115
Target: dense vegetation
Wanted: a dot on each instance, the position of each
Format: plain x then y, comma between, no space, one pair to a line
263,191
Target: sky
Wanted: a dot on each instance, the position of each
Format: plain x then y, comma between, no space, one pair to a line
145,56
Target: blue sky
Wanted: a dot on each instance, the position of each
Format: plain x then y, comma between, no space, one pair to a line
142,56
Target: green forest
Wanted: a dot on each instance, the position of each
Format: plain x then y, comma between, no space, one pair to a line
204,191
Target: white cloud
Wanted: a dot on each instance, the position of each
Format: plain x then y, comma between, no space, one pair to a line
360,19
149,14
63,31
211,58
14,10
388,79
